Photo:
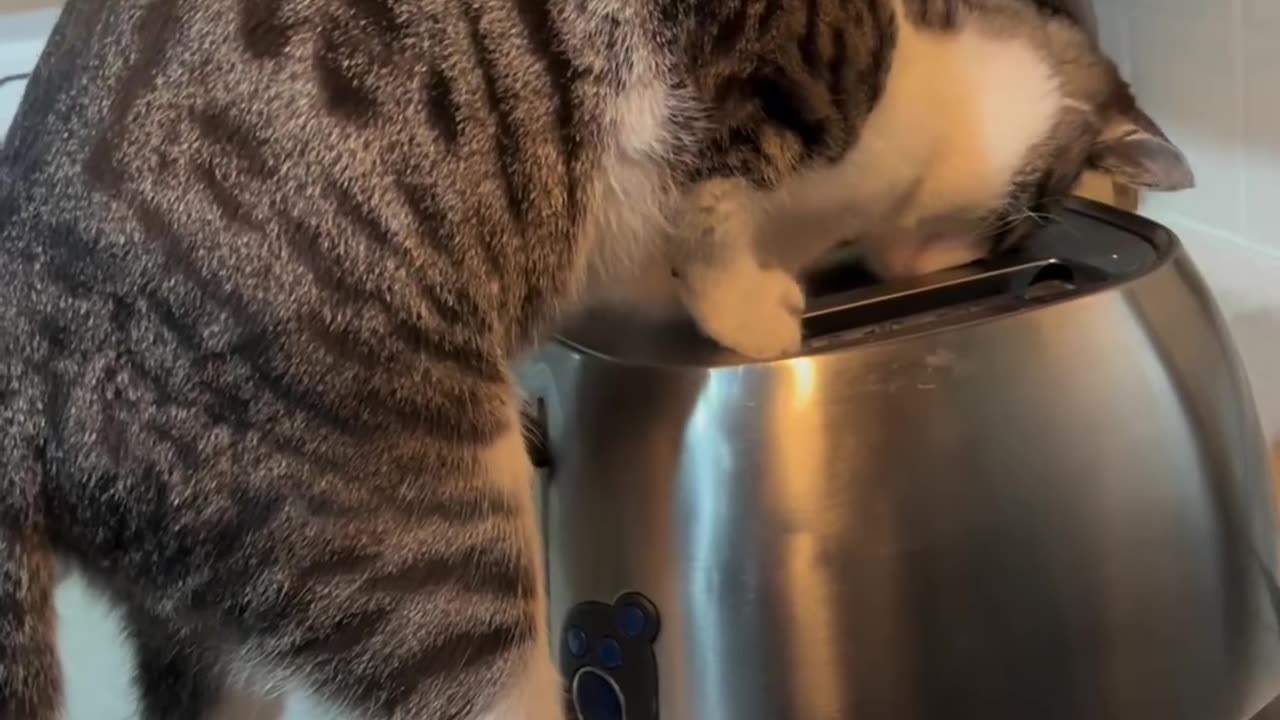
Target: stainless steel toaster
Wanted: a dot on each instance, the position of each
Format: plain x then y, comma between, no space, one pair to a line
1033,488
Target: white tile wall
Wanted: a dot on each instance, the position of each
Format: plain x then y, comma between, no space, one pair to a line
22,35
1207,72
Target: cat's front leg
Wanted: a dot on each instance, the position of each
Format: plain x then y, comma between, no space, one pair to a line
737,301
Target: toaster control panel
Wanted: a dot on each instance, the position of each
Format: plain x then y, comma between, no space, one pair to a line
607,657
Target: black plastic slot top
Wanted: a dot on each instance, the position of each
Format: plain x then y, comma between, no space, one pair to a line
1022,284
840,274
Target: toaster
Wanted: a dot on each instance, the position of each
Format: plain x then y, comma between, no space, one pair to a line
1033,487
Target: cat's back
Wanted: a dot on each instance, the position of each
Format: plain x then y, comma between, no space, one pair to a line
243,224
263,158
229,124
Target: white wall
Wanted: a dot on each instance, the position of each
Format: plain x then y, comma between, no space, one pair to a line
1209,72
22,34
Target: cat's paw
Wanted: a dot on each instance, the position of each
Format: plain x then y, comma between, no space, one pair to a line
756,313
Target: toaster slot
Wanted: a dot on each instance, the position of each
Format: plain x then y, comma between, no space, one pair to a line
952,295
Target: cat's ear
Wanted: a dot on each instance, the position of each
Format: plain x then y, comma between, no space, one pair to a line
1135,151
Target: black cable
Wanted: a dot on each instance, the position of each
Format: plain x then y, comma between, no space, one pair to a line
6,79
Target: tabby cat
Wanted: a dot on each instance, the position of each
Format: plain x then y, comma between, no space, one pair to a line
265,266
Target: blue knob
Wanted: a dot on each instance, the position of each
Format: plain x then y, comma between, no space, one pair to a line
577,641
632,621
610,654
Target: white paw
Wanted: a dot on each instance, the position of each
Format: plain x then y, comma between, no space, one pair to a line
753,312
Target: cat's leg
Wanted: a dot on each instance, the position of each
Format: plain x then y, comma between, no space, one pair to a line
534,690
390,593
535,693
30,679
736,300
176,675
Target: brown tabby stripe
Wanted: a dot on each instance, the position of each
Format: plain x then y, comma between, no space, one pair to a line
454,308
454,653
785,105
435,226
430,220
276,383
30,685
157,26
442,107
780,90
346,95
381,16
256,353
56,398
809,42
185,451
343,563
729,34
184,333
434,415
226,133
256,510
365,219
233,211
939,14
515,185
208,569
347,347
125,538
345,635
65,250
476,507
880,40
484,570
153,381
8,203
837,68
307,247
111,425
544,37
767,15
179,261
263,29
347,344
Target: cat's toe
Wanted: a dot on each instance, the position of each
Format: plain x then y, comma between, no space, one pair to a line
759,318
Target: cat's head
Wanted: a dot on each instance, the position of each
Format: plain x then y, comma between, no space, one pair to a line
1012,100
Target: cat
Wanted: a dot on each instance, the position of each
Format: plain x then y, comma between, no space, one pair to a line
265,266
987,114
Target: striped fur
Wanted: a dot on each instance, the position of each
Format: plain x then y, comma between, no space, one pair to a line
265,265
